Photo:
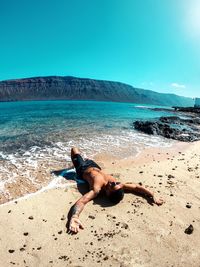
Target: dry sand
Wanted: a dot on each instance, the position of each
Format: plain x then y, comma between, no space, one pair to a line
132,233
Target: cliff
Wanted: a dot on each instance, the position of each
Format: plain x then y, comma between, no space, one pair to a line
72,88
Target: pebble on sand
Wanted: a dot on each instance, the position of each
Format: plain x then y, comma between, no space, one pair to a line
189,230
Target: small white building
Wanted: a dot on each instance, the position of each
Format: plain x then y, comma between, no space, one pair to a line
197,103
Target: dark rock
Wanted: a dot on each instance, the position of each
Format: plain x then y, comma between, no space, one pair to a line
62,218
188,206
178,120
124,225
11,250
30,217
147,127
156,128
91,217
187,109
64,257
189,230
169,127
171,119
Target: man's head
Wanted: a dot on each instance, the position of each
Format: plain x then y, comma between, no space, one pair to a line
115,192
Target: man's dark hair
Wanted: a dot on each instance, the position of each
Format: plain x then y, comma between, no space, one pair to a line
116,196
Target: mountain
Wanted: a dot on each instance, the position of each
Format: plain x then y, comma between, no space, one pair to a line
72,88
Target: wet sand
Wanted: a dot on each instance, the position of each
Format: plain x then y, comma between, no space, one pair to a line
133,233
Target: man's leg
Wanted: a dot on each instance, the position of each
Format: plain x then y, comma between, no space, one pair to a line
77,159
74,151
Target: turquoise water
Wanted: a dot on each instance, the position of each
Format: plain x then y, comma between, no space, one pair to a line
36,136
27,124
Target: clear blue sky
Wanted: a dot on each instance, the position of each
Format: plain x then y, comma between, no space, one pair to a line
152,44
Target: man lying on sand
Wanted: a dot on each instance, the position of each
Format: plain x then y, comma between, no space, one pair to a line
98,181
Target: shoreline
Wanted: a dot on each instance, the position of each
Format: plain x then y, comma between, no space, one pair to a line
105,159
32,173
132,233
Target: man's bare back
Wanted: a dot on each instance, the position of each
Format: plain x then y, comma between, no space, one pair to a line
99,181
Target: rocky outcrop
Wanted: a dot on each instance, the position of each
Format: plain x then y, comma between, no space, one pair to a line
186,130
195,110
71,88
178,120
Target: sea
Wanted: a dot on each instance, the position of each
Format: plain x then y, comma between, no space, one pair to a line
36,138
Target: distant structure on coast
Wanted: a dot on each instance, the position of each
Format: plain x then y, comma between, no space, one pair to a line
197,103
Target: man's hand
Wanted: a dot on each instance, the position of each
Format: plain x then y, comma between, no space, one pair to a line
75,225
158,201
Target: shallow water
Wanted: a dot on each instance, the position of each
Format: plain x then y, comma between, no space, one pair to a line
36,137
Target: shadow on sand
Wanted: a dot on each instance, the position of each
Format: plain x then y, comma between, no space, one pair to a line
83,188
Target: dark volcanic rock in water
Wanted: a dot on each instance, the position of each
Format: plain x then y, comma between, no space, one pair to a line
148,127
170,127
177,120
171,119
72,88
156,128
188,109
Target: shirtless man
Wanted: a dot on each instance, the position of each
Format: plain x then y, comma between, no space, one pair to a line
99,181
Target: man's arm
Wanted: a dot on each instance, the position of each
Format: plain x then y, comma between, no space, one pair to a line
136,188
75,223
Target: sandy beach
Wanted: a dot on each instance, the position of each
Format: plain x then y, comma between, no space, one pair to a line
133,233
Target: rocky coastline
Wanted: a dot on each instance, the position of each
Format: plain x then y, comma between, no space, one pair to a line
185,126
